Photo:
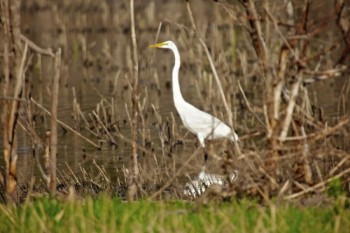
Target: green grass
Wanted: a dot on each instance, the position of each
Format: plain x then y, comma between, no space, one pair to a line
106,214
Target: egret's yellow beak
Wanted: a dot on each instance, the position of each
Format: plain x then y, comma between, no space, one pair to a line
157,45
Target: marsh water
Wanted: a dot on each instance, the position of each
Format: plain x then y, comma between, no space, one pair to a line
97,68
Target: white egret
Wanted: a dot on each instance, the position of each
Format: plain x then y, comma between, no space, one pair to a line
202,124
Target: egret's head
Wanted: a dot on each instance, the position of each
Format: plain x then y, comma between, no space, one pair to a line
163,45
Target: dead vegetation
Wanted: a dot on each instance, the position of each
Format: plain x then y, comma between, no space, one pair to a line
260,68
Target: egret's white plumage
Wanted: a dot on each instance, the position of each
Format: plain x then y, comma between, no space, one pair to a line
202,124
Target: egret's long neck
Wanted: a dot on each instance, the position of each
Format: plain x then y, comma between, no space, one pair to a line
178,99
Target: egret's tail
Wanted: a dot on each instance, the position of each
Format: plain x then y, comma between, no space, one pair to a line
234,137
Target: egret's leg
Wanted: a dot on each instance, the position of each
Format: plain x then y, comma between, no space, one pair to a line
206,156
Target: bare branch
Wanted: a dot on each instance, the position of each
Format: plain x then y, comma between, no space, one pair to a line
36,48
291,105
53,135
132,188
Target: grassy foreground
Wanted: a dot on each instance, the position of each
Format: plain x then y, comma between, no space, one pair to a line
106,214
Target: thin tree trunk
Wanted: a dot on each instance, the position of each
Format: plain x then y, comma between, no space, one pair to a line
132,187
13,65
53,135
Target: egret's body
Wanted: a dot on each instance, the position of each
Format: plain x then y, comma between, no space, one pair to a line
202,124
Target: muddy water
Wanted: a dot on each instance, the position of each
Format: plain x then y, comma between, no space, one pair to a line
97,65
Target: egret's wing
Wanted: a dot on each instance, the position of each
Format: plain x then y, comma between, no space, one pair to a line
200,122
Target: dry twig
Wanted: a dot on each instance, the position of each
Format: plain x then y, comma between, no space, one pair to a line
53,134
132,187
